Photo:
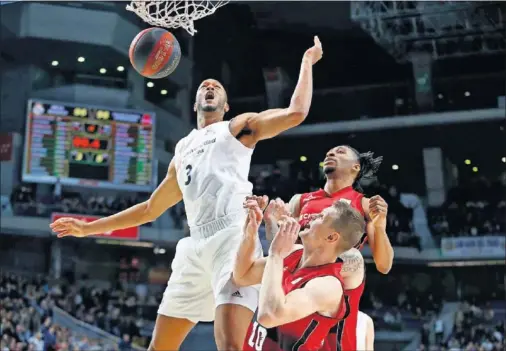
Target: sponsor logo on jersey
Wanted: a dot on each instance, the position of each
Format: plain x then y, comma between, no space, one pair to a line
200,146
308,216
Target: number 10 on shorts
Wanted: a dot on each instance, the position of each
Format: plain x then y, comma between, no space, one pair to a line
257,338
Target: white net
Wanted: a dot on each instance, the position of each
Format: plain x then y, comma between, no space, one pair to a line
174,13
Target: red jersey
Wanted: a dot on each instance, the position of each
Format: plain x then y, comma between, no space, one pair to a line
308,333
312,204
343,335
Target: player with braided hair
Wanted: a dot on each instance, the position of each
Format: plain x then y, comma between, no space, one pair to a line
344,168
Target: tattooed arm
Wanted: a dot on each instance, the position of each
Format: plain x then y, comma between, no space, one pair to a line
353,270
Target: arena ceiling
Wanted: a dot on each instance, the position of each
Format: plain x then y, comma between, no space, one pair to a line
244,37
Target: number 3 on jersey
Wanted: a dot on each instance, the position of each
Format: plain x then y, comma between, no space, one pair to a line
188,174
257,338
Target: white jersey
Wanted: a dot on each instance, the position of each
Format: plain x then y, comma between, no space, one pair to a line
212,171
361,330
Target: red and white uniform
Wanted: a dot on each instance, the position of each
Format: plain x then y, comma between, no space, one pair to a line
308,333
342,336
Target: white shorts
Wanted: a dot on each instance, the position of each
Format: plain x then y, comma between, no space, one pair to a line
201,277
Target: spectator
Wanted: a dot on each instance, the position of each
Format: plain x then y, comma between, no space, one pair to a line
439,331
36,341
124,344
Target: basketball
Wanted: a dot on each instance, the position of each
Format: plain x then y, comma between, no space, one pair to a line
155,53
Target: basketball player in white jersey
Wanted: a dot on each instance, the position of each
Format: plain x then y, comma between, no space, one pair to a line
209,172
365,332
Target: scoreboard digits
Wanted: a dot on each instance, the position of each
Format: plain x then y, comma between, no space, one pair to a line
80,112
79,144
103,115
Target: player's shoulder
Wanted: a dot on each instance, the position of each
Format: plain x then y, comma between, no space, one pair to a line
321,285
180,145
352,260
352,253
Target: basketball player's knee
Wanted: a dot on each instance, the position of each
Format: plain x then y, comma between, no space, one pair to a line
160,343
227,342
228,339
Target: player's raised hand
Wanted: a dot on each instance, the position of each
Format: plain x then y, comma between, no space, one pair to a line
276,210
315,52
254,218
68,227
261,200
378,210
285,238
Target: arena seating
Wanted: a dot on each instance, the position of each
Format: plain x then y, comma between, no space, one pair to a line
26,319
23,203
478,327
472,209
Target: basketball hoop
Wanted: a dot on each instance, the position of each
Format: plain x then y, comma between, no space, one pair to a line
174,13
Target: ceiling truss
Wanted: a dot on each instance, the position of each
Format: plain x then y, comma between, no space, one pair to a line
444,29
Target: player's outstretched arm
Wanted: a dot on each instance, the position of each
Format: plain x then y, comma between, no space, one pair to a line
248,270
382,251
268,124
166,195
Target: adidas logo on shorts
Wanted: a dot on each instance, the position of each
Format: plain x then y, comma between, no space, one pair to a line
237,294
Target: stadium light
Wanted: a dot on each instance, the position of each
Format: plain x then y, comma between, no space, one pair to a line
395,167
81,59
503,160
467,162
467,93
120,68
103,71
150,84
163,92
475,169
54,63
303,159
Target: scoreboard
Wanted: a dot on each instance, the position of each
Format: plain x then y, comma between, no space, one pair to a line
89,146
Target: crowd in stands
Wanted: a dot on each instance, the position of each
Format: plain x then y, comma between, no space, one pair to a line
476,208
24,202
26,323
113,310
477,328
396,304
